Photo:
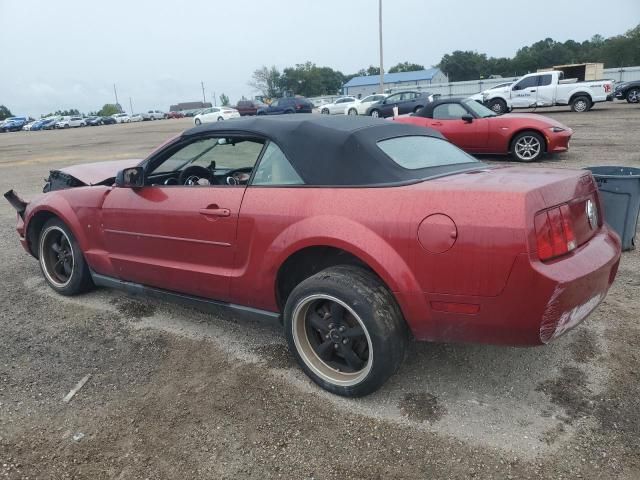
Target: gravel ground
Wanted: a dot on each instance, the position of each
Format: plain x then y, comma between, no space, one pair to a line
176,393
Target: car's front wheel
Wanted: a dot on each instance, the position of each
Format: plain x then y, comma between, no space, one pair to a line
346,330
197,121
527,147
220,119
375,113
61,260
633,95
353,111
498,105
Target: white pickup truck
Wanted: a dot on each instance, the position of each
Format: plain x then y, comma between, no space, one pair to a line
546,89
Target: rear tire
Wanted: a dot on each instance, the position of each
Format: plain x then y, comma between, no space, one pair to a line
633,95
346,330
527,147
61,260
498,106
325,111
197,121
352,112
581,104
220,119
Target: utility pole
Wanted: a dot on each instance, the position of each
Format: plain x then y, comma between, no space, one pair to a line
204,98
116,93
380,34
131,105
215,102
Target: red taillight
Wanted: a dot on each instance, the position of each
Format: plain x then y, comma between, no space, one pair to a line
554,232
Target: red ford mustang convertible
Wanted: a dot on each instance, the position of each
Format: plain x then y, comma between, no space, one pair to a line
476,129
359,233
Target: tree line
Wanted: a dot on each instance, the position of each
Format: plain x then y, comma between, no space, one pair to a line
310,80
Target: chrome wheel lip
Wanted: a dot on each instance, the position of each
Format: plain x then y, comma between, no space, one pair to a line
43,262
310,357
527,147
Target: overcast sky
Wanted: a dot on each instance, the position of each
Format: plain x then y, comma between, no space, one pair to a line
68,53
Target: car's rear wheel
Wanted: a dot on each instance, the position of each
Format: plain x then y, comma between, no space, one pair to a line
527,147
61,259
580,104
633,95
375,113
352,111
417,109
346,330
197,121
220,119
498,106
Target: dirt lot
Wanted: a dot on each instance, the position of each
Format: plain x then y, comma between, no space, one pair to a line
176,393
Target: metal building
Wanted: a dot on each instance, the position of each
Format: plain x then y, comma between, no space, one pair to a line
366,85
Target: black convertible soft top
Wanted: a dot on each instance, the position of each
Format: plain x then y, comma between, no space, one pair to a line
328,151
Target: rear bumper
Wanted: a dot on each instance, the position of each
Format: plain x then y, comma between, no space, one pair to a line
539,302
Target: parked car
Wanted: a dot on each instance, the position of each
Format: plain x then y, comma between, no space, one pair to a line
460,251
27,127
153,115
174,115
629,91
479,97
13,124
136,117
70,122
287,105
407,102
338,106
121,118
50,123
360,106
319,102
193,112
546,89
108,121
249,107
216,114
477,129
39,124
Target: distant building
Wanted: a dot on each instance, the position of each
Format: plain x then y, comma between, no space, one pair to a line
369,84
189,106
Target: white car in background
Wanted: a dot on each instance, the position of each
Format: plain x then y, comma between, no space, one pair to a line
360,106
136,117
153,115
70,122
337,107
478,97
121,117
215,114
27,127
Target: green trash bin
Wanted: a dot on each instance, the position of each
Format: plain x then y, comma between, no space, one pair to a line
620,193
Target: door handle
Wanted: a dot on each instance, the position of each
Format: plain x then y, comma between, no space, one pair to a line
437,124
214,211
532,90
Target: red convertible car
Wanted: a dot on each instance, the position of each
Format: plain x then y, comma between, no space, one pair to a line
478,130
359,233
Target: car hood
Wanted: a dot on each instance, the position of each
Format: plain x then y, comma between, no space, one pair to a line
94,173
532,117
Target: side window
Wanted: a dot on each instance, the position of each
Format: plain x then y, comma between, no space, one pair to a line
275,103
544,80
275,169
449,111
526,83
393,98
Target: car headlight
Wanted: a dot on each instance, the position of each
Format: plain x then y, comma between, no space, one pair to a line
557,129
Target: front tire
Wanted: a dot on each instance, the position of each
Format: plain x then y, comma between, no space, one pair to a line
346,330
375,113
581,104
527,147
498,106
352,112
220,119
197,121
61,260
633,95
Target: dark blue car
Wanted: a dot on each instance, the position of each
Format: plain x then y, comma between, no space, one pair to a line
284,105
38,124
13,124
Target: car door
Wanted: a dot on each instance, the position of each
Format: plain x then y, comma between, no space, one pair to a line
525,93
338,106
407,102
175,237
546,91
274,108
471,136
390,102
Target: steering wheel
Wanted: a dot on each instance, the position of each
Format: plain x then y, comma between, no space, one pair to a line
238,176
191,175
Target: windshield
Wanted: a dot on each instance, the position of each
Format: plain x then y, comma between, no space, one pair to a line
415,152
478,109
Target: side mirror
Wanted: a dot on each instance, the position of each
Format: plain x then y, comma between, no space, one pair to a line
130,177
467,118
